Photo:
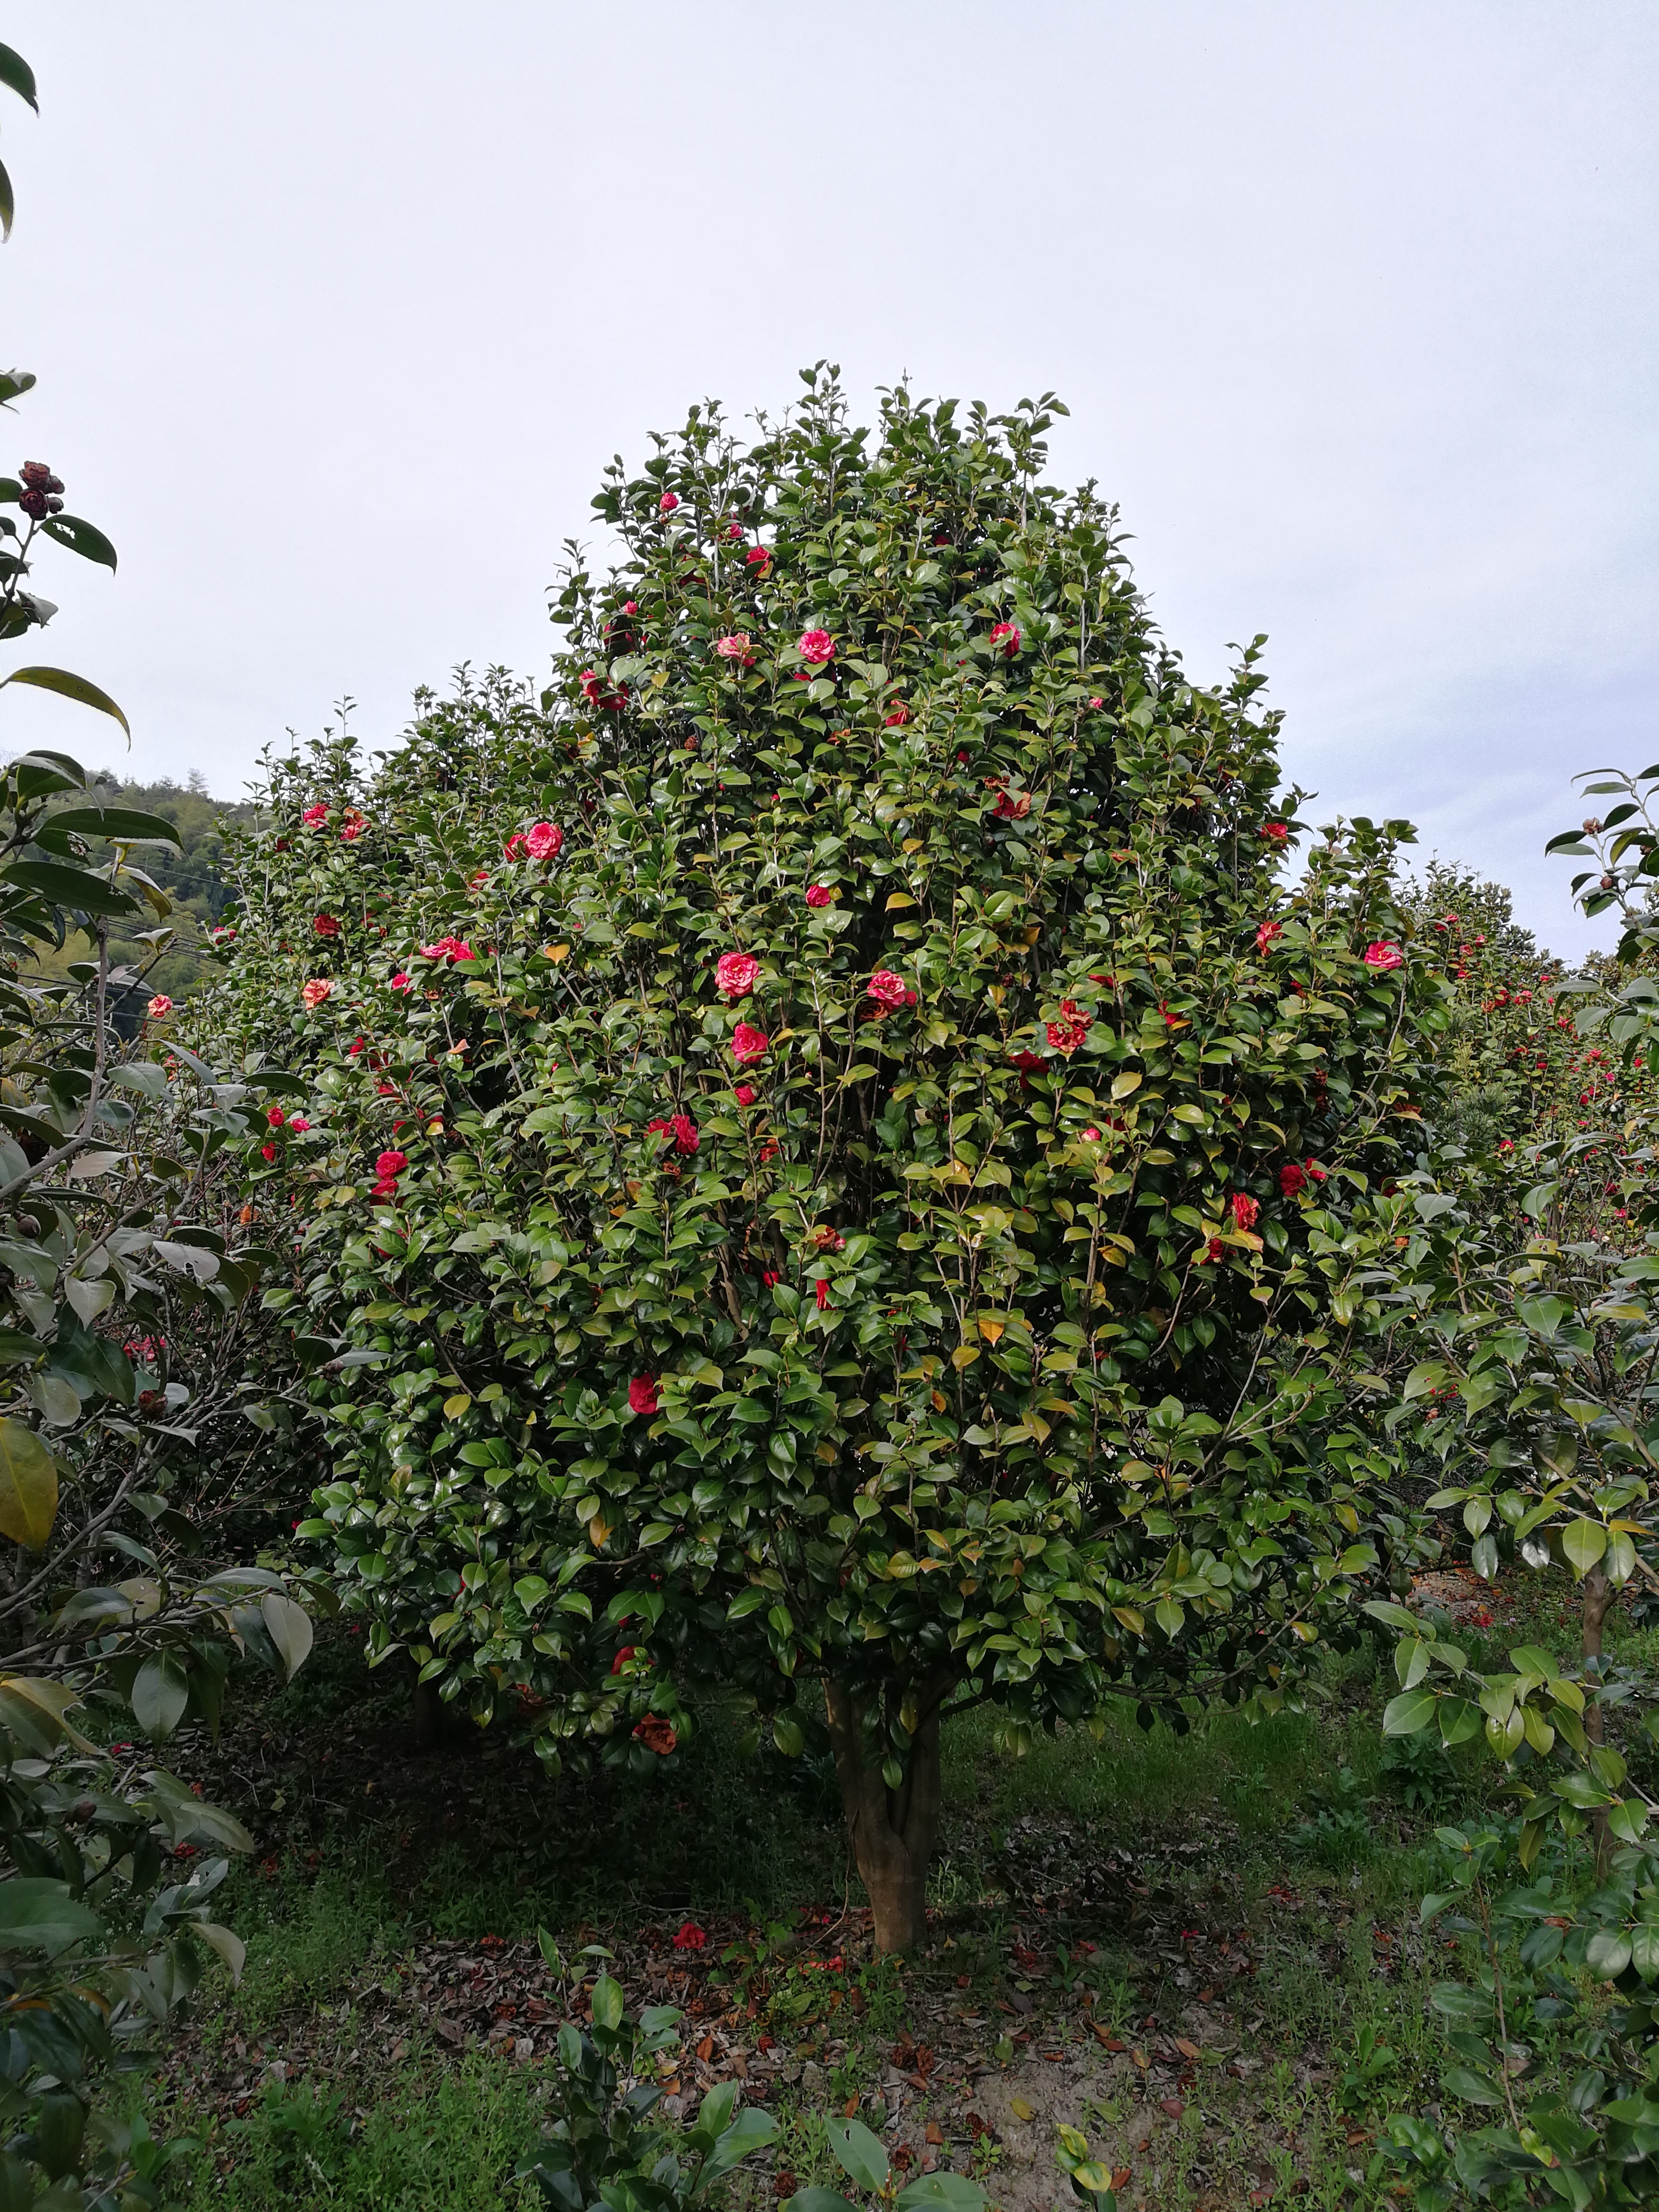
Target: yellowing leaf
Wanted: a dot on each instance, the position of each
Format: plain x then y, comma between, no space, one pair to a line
457,1404
911,845
29,1486
965,1356
556,952
899,899
1020,2109
992,1331
1124,1083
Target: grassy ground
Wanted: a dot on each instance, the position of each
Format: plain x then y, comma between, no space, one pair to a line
1203,1951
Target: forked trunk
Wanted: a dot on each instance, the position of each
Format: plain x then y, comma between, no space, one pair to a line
1599,1595
892,1831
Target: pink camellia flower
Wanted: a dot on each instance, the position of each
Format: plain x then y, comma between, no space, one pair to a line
819,895
759,558
1290,1179
543,840
748,1044
1383,955
314,815
745,1094
402,981
691,1937
1266,934
510,850
642,1395
324,925
1069,1031
1276,833
225,933
734,531
888,989
668,502
160,1006
681,1132
447,948
897,718
298,1123
734,646
1245,1209
389,1164
1096,702
1091,1136
352,826
817,646
735,974
315,992
1006,635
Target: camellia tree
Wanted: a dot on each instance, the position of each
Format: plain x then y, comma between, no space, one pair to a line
848,1173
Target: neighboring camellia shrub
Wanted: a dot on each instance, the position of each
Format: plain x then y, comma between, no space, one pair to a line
846,1172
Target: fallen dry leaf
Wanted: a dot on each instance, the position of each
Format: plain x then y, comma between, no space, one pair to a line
1187,2049
1172,2106
1140,2059
1020,2109
935,2133
1106,2036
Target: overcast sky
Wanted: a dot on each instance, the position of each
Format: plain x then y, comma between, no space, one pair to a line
339,310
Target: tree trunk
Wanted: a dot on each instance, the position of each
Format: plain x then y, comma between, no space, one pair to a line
892,1831
1599,1595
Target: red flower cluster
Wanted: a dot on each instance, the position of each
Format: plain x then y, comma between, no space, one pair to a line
39,496
448,948
1066,1035
735,974
594,690
1292,1178
1006,635
654,1731
889,990
1013,805
1267,933
681,1131
324,925
668,502
352,826
388,1167
542,841
691,1937
1245,1209
314,817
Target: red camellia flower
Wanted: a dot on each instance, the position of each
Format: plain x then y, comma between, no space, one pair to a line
1266,934
267,1151
623,1657
543,840
818,895
275,1116
314,815
352,825
821,1290
681,1132
642,1395
735,974
1290,1179
817,646
1091,1136
1096,701
656,1734
1217,1251
1383,955
668,502
748,1044
1006,635
745,1094
447,948
897,718
759,558
401,981
299,1124
889,990
325,925
1276,833
691,1937
1245,1209
388,1165
1069,1031
1013,805
159,1007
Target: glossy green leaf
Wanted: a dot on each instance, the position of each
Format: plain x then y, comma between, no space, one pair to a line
29,1486
68,686
81,537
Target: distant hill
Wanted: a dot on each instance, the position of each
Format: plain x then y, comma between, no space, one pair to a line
192,874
